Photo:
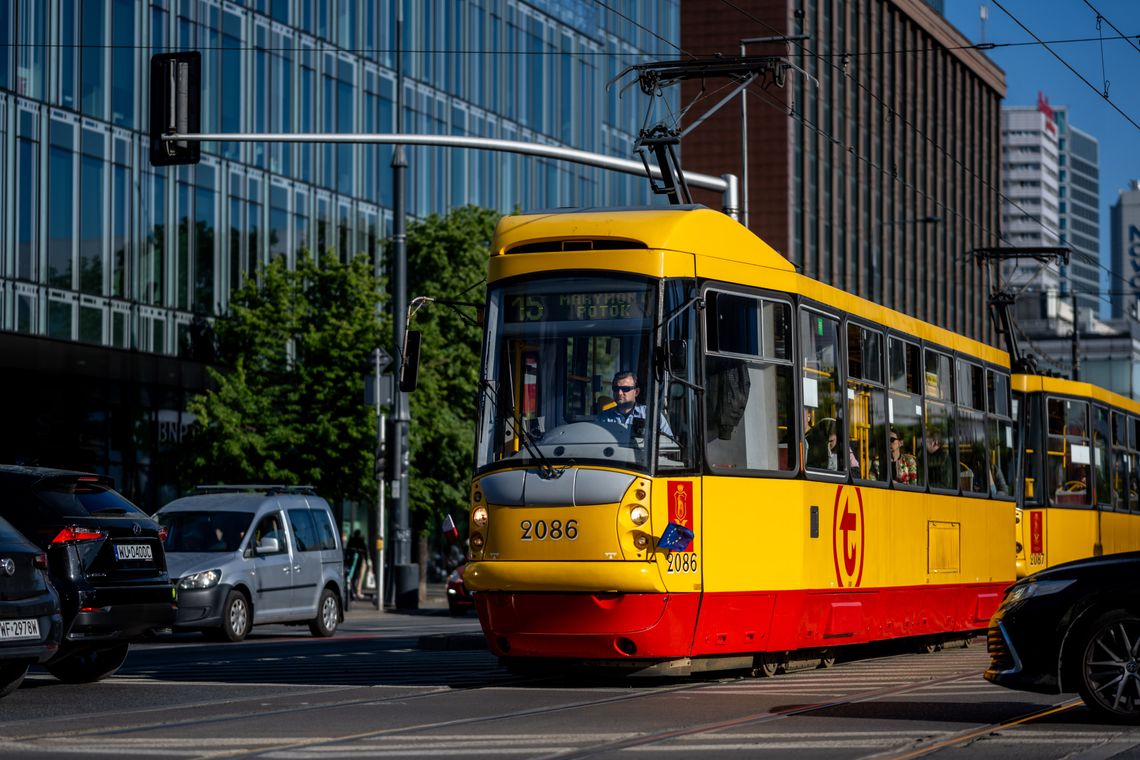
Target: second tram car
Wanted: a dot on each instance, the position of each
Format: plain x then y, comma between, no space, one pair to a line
690,456
1081,491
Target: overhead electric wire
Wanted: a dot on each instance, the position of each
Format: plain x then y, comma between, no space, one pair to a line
1100,15
1076,73
917,131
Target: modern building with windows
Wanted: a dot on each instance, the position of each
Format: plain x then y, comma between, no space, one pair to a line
106,263
873,165
1051,183
1125,237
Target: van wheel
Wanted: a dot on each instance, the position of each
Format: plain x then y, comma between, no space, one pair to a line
328,615
236,617
11,674
89,665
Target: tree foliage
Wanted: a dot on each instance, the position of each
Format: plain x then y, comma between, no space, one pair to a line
287,402
447,259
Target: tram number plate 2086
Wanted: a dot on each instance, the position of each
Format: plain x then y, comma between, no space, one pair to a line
681,562
548,530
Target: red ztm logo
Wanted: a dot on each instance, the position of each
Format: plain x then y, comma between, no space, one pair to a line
681,504
848,537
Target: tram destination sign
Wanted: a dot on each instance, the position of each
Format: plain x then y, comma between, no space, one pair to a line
558,307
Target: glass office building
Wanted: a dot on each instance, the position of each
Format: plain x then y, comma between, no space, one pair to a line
106,262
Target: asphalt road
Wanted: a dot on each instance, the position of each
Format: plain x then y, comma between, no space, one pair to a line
418,685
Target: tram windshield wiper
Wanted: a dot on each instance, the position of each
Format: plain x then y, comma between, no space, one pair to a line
546,469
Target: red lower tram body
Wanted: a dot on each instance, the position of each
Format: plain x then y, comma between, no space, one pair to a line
679,625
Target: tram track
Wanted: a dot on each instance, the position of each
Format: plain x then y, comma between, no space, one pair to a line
122,733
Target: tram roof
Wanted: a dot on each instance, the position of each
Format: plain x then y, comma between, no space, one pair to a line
694,229
1064,386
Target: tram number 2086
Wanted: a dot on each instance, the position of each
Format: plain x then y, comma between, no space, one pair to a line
682,562
554,530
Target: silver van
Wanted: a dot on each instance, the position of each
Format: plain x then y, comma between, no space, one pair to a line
245,555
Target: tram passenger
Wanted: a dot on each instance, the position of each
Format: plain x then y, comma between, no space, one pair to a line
823,447
939,468
904,467
626,410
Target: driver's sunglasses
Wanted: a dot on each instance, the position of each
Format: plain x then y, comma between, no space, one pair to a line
624,388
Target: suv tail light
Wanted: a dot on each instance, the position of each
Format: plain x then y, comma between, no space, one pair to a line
162,533
74,533
41,561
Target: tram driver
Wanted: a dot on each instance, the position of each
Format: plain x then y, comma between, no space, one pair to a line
626,409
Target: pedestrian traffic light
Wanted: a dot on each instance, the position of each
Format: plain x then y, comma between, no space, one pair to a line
175,107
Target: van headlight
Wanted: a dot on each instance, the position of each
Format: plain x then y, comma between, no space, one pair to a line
204,579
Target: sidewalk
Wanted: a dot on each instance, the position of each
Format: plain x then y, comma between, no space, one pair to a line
434,604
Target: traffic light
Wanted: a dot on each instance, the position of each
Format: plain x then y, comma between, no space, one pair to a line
175,107
396,464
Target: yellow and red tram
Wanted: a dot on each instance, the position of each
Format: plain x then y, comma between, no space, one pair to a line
690,456
1081,491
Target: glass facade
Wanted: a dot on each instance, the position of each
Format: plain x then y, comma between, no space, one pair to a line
98,248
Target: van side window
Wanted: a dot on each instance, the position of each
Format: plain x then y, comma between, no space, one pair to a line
304,530
325,532
270,527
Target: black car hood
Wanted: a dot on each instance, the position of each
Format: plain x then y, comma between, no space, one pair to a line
1111,564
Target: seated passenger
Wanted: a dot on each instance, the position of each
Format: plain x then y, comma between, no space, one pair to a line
904,467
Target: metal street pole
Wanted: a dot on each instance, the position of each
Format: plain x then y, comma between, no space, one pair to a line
406,574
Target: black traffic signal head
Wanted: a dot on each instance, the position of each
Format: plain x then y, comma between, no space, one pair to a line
175,107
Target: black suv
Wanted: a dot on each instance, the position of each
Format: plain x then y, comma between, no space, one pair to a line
105,559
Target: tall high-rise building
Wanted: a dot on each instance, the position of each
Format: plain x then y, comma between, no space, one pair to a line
1031,189
873,163
1051,183
1125,237
1079,154
106,262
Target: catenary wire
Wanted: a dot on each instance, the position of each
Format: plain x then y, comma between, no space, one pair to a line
915,130
1120,33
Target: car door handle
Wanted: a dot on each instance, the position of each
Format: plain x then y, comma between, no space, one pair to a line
287,570
297,568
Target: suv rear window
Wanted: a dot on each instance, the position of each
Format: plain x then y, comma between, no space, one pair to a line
84,499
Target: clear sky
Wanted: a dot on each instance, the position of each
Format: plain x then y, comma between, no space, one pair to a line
1069,28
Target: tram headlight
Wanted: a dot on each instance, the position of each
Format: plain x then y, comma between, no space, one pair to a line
476,540
479,517
638,514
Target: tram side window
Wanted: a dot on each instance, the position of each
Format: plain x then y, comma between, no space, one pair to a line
825,445
866,402
1134,464
941,441
1035,490
749,392
1101,460
906,465
973,471
1120,462
1069,452
999,435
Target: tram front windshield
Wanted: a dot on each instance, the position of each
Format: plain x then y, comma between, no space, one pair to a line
567,377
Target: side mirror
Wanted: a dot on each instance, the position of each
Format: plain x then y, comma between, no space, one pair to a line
678,357
268,546
410,368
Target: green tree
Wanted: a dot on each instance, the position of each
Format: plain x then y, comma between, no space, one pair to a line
287,402
447,259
